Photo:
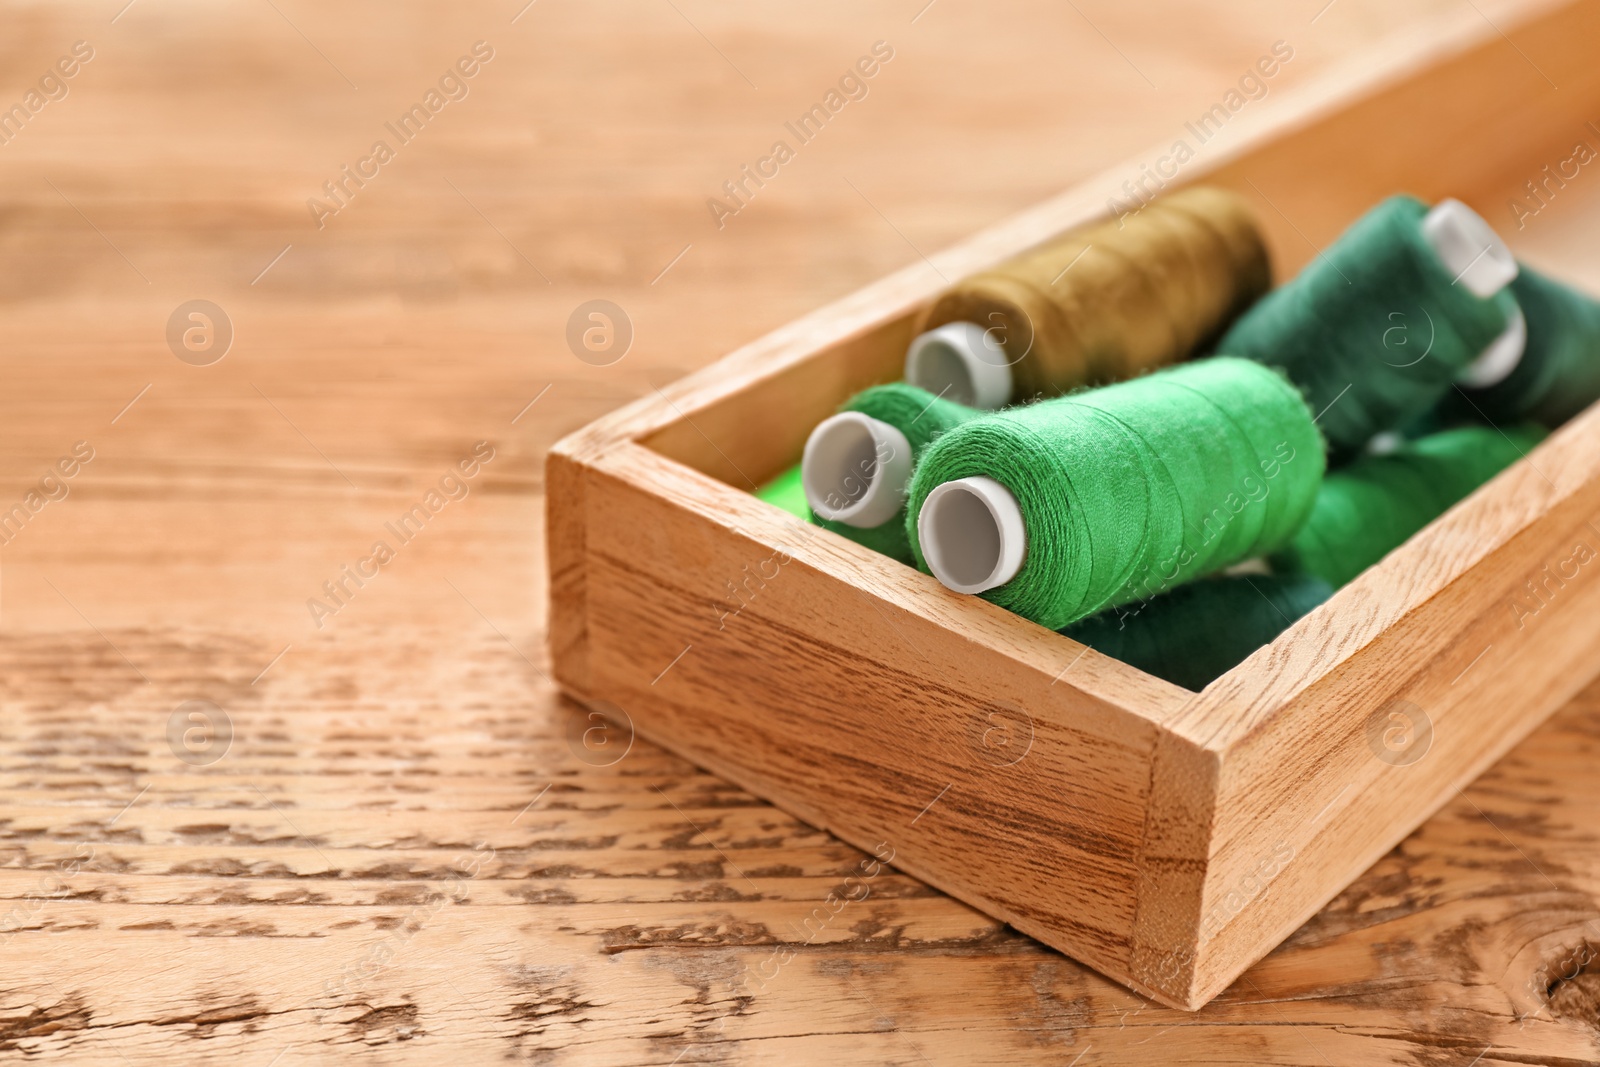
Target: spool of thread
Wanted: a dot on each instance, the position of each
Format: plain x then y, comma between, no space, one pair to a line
1377,328
1366,510
1063,508
857,463
1559,372
1198,632
786,492
1101,304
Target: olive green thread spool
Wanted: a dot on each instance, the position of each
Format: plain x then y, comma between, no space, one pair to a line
1101,304
1060,509
857,463
1198,632
1369,508
1378,327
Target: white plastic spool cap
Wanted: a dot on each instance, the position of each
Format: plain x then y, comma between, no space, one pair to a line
855,469
972,534
1469,248
960,361
1382,444
1497,361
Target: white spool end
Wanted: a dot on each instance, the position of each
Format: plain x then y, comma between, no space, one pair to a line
1386,443
972,534
1497,361
1469,248
855,469
960,361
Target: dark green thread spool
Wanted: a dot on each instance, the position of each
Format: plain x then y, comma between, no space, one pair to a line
1559,372
1198,632
1376,329
857,463
1371,507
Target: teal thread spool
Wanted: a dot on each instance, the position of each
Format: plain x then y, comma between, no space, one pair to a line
1559,372
1376,329
857,463
1198,632
1062,508
1371,507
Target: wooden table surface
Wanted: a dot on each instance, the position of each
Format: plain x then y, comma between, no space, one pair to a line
239,828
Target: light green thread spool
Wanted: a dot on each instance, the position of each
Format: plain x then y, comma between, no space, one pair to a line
857,463
1063,508
1371,507
786,492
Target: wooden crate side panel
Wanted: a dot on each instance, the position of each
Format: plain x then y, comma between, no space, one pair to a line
746,437
565,522
1173,857
986,777
1340,776
866,579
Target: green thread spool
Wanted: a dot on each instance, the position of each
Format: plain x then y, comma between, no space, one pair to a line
1371,507
1559,372
1100,304
1198,632
786,492
857,463
1063,508
1376,329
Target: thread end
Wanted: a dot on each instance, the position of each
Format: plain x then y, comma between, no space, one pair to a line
972,534
960,361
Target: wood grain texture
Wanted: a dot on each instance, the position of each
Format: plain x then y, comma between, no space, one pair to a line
325,890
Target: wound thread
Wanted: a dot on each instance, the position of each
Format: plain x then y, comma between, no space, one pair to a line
1374,330
1116,299
1128,490
1198,632
1368,509
919,415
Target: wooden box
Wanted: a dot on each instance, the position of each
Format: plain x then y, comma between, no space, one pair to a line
1166,838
